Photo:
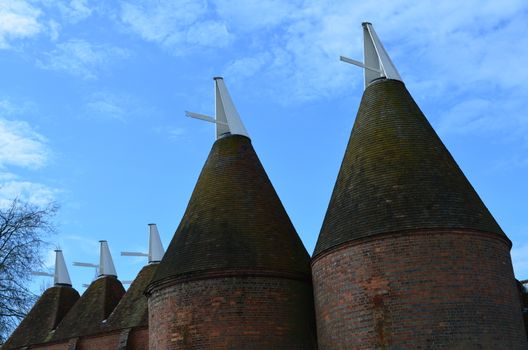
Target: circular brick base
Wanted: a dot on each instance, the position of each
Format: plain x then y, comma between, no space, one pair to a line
418,290
233,313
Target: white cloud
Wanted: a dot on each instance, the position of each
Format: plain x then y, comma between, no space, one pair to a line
81,58
88,246
21,145
247,66
75,10
175,132
8,108
107,105
208,33
178,26
442,49
53,29
18,20
249,15
31,192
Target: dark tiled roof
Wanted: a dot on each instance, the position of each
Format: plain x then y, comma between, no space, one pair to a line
397,175
94,306
234,219
45,315
132,310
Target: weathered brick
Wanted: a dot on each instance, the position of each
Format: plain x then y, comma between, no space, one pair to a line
253,312
421,289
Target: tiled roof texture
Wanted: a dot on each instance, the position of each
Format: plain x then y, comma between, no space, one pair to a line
45,315
234,220
95,305
398,175
132,310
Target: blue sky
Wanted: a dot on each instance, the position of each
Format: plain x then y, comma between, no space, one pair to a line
92,100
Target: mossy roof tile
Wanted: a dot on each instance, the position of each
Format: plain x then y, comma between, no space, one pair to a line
95,305
132,310
44,317
398,175
234,219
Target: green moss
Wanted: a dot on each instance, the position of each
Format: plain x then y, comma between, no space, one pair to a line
397,175
234,219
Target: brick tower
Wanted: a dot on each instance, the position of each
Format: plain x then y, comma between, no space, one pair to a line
129,319
38,326
87,317
408,256
235,275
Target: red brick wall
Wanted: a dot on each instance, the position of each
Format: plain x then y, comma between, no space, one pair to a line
61,346
233,313
138,339
106,342
420,290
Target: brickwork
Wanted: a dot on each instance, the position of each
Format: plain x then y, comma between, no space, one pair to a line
425,289
233,313
137,340
105,342
60,346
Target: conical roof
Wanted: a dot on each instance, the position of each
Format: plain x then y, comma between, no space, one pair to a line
94,306
44,317
132,310
398,175
234,220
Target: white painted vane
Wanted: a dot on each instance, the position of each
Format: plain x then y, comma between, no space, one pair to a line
106,264
227,119
156,251
377,61
61,275
61,272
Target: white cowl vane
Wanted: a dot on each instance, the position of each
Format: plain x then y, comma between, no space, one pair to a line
106,264
377,61
226,118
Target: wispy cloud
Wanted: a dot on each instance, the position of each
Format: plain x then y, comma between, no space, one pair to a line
178,26
9,108
31,192
247,66
21,145
106,105
81,58
251,15
173,133
18,20
310,36
74,11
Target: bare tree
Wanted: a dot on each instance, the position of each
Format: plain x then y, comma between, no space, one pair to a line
23,228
